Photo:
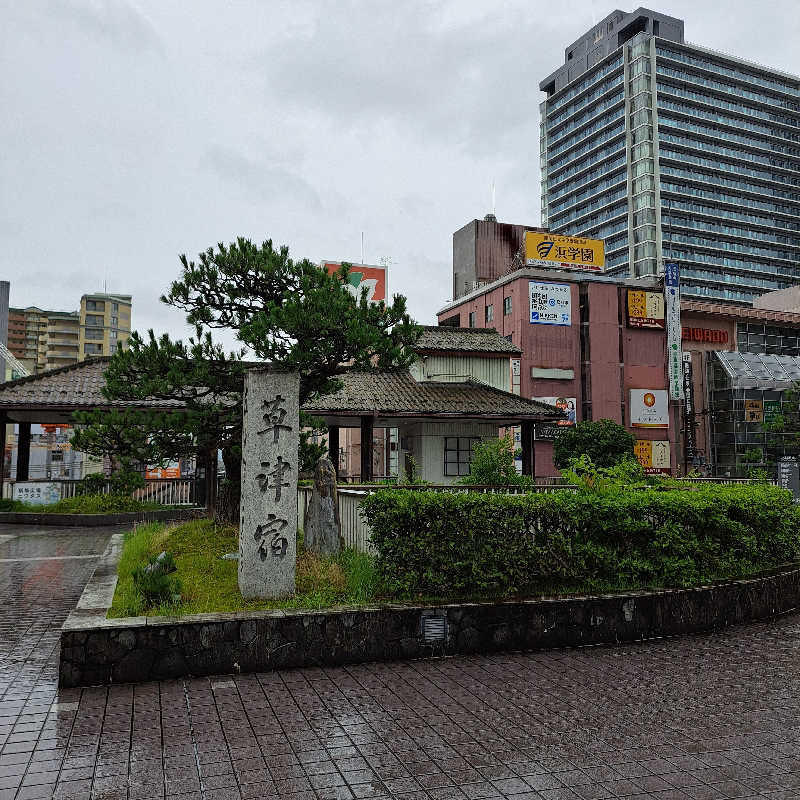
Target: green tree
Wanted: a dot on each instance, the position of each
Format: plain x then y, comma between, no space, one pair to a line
493,464
292,314
605,442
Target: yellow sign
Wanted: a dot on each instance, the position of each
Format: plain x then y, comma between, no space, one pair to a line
645,309
653,455
753,411
568,252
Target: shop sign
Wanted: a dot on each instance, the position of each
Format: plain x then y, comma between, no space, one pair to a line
753,411
672,295
567,252
37,493
172,470
362,277
551,303
654,456
708,335
645,309
649,408
545,431
565,404
772,410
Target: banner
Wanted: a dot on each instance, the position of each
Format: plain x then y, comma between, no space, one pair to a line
567,252
672,294
550,303
363,276
690,442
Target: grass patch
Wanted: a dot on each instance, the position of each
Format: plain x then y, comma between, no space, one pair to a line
210,583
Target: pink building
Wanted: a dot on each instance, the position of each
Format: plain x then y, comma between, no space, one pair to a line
579,350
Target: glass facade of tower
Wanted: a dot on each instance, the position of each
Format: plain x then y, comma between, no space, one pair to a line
671,152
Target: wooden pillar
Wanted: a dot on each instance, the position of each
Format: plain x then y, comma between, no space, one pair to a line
24,451
333,447
528,455
367,426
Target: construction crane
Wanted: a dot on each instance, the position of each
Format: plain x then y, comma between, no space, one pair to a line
16,365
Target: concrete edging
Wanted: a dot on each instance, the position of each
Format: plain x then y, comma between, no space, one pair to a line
99,520
96,650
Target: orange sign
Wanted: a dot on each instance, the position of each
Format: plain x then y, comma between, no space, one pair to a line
363,276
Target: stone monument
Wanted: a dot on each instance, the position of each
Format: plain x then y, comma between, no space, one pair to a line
268,511
323,533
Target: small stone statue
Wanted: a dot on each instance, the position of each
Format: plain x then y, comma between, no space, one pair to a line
323,533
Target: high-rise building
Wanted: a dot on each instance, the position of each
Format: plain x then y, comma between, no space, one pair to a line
63,334
105,320
673,152
27,337
44,340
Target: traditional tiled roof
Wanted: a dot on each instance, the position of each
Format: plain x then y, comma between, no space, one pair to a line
398,394
74,387
468,340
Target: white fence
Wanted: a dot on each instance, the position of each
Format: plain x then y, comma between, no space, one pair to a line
166,492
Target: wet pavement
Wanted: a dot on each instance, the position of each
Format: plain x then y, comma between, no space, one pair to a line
701,717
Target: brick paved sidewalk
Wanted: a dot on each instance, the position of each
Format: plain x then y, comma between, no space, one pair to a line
700,717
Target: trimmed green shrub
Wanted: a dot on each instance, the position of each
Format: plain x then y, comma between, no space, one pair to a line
605,442
97,504
125,481
464,544
6,504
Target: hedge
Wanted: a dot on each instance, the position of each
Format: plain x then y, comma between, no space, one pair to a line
461,544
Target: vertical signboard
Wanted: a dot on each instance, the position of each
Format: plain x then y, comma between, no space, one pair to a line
789,476
690,442
516,374
672,297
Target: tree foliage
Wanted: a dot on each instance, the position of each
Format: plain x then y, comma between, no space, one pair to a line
292,314
493,464
604,441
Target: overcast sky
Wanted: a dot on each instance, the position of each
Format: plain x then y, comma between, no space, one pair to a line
131,132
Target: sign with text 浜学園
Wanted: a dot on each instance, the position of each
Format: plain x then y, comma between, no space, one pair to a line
645,309
567,252
550,303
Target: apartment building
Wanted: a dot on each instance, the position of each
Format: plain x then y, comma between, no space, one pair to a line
105,321
669,152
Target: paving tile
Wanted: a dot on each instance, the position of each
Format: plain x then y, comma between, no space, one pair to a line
694,718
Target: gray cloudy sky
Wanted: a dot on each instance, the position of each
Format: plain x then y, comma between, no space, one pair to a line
131,132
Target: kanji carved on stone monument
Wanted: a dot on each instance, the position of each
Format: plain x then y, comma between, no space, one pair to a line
268,516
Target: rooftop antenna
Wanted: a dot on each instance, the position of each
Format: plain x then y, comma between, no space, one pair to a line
491,217
362,248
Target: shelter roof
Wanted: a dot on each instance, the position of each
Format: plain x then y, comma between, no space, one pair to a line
398,394
75,387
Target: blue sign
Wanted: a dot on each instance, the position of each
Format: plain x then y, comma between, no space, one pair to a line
671,275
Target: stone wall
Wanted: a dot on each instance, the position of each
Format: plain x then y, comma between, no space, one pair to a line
95,650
